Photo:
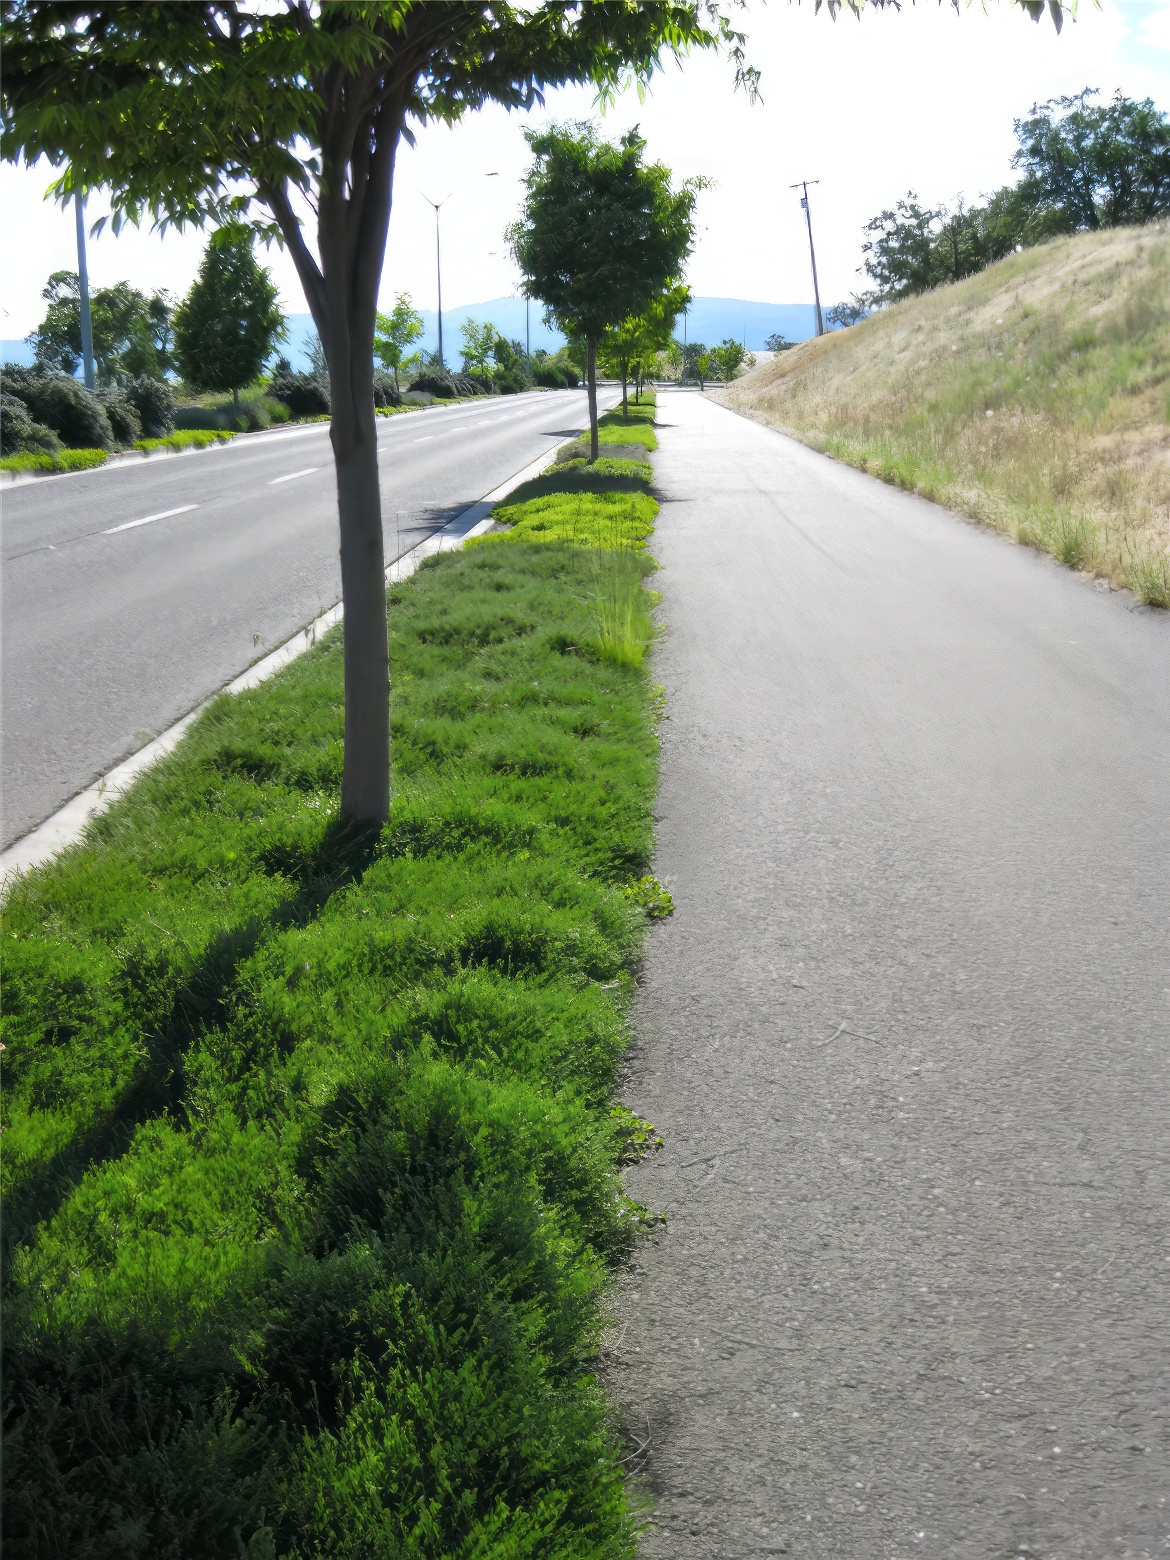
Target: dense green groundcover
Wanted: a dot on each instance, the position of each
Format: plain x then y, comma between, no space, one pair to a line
311,1150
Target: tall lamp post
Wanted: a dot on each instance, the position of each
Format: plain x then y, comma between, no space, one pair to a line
438,205
802,185
83,288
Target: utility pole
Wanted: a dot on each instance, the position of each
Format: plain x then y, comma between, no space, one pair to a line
803,185
83,281
438,204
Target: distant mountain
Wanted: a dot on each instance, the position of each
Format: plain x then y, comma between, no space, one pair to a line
708,320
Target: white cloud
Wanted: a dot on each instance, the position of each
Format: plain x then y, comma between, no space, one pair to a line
920,98
1155,27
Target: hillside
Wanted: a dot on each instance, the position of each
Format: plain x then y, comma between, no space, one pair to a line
1032,397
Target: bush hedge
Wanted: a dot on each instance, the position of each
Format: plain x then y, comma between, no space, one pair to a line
312,1153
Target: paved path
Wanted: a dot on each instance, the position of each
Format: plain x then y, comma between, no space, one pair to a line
113,629
906,1034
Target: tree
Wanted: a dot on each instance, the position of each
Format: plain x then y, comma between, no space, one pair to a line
628,349
229,323
777,342
244,110
601,234
727,358
394,332
851,312
1085,166
478,345
131,332
1101,165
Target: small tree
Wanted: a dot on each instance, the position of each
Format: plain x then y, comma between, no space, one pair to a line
727,358
778,342
628,350
229,323
478,345
394,332
601,234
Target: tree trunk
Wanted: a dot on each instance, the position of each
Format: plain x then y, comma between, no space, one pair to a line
236,399
591,372
625,399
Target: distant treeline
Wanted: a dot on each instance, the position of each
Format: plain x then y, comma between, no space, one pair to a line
1084,166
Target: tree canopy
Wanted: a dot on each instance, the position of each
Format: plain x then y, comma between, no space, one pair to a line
1085,165
131,332
230,322
601,235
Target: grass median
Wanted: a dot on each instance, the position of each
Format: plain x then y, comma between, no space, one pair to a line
311,1142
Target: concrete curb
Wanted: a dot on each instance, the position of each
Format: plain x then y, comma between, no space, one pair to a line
66,826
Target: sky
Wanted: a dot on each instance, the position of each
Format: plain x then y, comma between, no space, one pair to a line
919,99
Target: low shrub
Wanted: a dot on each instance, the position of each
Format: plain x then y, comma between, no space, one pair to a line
385,391
303,394
446,386
154,402
74,413
122,414
19,435
555,376
193,419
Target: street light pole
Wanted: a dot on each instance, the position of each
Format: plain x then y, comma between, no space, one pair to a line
803,185
83,288
438,204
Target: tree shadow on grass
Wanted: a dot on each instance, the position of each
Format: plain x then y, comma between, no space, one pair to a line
203,1003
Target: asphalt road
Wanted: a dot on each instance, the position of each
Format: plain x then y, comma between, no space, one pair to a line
906,1033
115,628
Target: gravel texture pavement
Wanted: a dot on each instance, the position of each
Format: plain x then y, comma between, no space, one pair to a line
906,1035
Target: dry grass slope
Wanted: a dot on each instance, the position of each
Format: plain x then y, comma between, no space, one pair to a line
1032,397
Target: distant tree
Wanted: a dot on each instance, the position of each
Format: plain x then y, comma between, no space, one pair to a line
777,343
727,359
627,350
394,332
1085,166
131,332
479,341
851,312
229,323
601,234
899,252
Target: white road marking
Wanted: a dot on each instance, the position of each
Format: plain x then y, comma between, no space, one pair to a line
149,519
292,475
424,438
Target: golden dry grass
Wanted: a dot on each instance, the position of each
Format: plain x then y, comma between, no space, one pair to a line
1032,397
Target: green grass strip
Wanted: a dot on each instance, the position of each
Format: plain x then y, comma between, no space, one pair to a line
64,460
184,438
311,1143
